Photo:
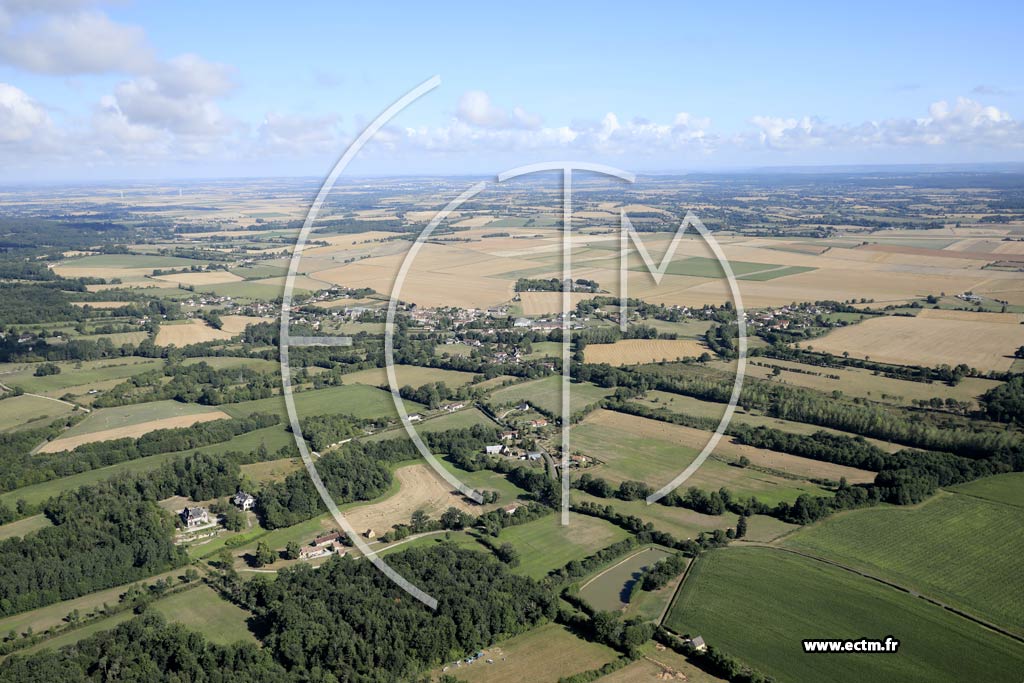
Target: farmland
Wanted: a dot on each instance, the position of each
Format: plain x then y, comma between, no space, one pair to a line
29,411
610,589
546,653
636,448
189,332
411,375
131,421
203,610
419,488
546,394
938,548
933,340
811,599
544,544
635,351
358,400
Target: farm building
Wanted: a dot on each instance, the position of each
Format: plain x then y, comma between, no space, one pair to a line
511,508
195,517
509,435
494,450
327,538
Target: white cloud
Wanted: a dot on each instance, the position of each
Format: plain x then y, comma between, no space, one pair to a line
77,43
964,123
21,117
298,136
476,109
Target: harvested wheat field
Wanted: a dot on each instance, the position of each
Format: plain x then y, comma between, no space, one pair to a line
133,431
633,351
213,277
101,304
191,332
419,489
933,339
548,303
235,324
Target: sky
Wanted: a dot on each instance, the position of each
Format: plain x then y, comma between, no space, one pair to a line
146,90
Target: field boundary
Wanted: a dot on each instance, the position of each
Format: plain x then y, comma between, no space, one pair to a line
679,590
938,603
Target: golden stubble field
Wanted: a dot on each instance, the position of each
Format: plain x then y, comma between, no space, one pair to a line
633,351
134,431
482,272
419,489
986,341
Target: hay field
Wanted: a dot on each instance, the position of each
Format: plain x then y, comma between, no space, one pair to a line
928,340
419,489
235,324
134,431
695,439
101,304
633,351
190,332
412,375
548,303
212,277
548,653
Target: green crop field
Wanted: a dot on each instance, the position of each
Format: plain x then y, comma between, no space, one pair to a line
1004,488
757,604
19,412
359,400
546,393
203,610
700,266
775,273
610,589
953,547
544,544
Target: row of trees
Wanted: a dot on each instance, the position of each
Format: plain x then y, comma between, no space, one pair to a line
23,468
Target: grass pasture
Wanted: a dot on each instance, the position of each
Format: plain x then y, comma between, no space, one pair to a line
547,653
544,544
411,375
1005,488
90,372
610,589
954,547
546,394
359,400
202,609
24,526
725,600
133,421
636,448
19,412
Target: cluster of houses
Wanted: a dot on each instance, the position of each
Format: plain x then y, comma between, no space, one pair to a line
198,517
